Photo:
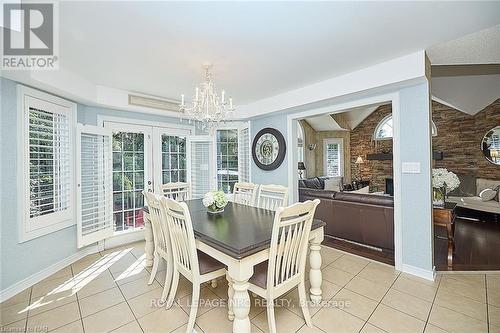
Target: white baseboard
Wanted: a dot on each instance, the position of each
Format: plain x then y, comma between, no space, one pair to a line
124,238
419,272
45,273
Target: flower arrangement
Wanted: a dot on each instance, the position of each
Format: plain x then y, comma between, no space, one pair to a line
215,201
443,181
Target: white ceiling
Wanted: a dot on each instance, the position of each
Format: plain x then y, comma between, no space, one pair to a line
259,49
467,93
482,47
324,123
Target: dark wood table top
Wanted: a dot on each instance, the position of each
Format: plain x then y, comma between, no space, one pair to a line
239,231
447,206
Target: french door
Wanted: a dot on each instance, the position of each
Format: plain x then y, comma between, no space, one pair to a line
132,173
144,158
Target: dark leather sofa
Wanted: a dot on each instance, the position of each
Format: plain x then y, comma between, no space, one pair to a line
362,218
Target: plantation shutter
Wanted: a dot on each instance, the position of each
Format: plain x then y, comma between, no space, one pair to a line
244,154
201,173
49,161
94,184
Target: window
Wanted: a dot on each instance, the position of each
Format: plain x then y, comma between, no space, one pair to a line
227,159
300,142
333,158
173,153
128,179
384,130
48,162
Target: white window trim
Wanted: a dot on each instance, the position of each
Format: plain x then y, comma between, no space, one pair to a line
374,136
25,230
340,142
234,125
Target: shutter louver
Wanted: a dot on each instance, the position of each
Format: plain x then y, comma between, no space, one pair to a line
200,166
49,162
95,216
244,159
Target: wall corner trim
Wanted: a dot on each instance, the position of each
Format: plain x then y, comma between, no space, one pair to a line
419,272
16,288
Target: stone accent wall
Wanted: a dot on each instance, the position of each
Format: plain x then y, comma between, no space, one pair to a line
459,136
362,144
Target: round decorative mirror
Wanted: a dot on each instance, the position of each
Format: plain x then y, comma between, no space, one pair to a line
491,145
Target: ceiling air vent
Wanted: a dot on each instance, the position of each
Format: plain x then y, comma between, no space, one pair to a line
154,103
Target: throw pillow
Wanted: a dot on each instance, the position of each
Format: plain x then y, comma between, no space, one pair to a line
487,194
333,184
363,190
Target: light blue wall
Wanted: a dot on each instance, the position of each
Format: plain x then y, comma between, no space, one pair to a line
280,175
416,207
21,260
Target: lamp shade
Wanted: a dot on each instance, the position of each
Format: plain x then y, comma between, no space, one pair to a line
359,160
301,166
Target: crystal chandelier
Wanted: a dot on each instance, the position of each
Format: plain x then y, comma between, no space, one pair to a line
207,108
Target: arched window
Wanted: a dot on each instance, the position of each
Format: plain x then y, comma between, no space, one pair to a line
384,129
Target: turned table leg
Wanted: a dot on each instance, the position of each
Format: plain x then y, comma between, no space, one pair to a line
240,273
230,297
148,235
315,277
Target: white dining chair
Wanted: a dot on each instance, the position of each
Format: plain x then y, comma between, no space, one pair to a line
193,264
179,191
285,268
245,193
161,240
272,196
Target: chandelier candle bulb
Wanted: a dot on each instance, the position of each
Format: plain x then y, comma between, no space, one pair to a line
208,108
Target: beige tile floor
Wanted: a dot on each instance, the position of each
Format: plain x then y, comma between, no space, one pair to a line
108,292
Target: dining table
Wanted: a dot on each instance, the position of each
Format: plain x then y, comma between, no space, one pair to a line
240,238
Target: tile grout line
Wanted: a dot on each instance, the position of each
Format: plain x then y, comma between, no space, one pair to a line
380,302
487,305
432,303
77,301
28,312
126,301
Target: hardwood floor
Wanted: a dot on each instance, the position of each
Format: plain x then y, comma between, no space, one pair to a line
477,246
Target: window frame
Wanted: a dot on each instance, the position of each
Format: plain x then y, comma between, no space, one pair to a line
239,126
340,142
33,227
389,116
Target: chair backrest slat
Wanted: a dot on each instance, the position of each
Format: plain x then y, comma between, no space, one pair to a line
181,235
289,240
161,237
178,191
272,196
245,193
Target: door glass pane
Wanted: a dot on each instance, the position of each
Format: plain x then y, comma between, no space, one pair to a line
227,159
332,160
128,180
173,162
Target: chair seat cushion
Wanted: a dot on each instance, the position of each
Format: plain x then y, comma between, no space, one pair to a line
207,263
259,277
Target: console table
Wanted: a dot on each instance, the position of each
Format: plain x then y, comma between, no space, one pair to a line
445,217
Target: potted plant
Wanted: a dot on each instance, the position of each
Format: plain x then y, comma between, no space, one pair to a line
443,181
215,201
